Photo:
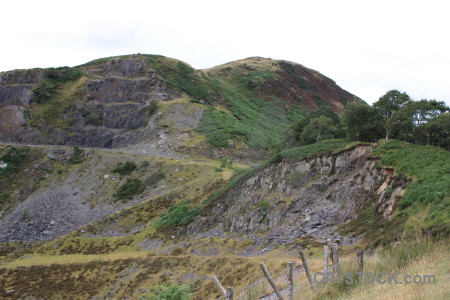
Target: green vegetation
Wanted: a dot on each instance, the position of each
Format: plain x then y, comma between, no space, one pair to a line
144,164
264,205
325,147
25,215
252,79
181,77
129,189
14,157
4,197
430,189
153,179
53,77
226,162
172,292
179,214
361,122
125,168
257,122
78,155
91,118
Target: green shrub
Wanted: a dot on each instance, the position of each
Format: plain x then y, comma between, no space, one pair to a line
43,91
218,138
130,188
93,119
25,215
78,155
144,164
14,157
226,162
153,179
4,197
172,292
62,74
125,169
179,214
264,205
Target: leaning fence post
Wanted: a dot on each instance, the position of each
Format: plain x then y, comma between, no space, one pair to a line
360,260
290,280
229,293
272,283
219,286
325,261
308,273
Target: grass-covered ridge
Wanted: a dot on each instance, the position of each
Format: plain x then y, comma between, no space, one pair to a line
236,113
429,191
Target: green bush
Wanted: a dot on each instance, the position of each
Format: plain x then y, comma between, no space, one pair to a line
226,162
264,205
144,164
172,292
4,197
179,214
93,119
14,157
125,169
218,138
130,188
78,155
153,179
43,91
62,74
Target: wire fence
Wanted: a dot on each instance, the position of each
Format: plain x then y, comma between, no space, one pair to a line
262,290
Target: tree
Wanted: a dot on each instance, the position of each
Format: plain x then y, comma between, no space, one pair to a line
413,120
361,122
318,129
388,105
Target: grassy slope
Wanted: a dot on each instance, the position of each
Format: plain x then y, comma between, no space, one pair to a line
235,113
426,203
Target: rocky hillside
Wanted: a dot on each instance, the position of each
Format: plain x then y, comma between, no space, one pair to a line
163,102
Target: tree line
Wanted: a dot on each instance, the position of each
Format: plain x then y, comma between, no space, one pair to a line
394,115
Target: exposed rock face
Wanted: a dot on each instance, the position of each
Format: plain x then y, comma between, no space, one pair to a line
11,119
306,198
117,94
16,86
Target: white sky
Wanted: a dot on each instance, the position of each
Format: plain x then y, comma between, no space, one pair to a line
367,47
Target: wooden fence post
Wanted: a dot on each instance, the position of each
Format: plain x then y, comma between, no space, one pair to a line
335,258
308,273
272,283
290,280
229,293
219,286
360,260
325,261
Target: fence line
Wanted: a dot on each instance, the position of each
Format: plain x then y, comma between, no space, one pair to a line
263,290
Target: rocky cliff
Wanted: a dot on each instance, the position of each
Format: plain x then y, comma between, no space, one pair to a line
125,100
305,198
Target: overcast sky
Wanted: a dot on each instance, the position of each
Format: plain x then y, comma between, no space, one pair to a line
367,47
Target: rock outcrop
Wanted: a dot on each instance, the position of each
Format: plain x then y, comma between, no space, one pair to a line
310,197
